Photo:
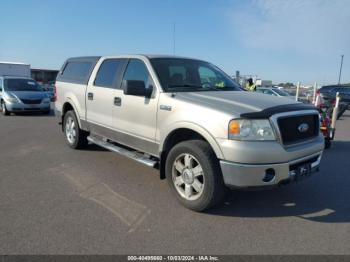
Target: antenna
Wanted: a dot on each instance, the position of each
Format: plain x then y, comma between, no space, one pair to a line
341,67
174,42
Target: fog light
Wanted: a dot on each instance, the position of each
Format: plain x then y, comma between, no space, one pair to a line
269,175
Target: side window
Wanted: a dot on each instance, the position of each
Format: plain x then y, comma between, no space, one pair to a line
137,70
77,70
108,73
209,77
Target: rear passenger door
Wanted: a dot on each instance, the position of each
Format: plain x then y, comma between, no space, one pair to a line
135,117
100,95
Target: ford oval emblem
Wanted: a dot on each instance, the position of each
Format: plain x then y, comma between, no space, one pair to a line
303,127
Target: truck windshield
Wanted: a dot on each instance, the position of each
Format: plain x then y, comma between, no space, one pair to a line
19,84
188,75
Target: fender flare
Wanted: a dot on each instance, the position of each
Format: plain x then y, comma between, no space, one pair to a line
196,128
71,102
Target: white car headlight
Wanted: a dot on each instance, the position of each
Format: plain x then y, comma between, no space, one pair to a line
12,100
247,129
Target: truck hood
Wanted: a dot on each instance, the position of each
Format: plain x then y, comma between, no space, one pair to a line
27,94
235,102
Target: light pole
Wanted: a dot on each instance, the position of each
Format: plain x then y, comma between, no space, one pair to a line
341,67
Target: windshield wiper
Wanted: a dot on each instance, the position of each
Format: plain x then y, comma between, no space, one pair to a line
220,88
185,85
200,88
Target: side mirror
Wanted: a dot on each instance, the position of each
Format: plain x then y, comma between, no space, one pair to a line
137,88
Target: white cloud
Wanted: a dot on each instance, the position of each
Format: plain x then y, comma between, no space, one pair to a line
303,26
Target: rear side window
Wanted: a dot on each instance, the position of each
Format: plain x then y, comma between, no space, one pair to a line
108,72
77,70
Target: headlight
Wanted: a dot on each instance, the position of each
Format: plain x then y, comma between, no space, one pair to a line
246,129
11,99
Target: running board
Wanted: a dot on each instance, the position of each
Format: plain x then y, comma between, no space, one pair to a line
139,157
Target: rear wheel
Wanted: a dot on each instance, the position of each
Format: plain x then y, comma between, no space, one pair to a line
193,172
327,143
76,138
4,110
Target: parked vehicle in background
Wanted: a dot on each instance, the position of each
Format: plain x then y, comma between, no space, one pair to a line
329,92
190,120
14,69
305,96
274,92
21,94
325,89
49,88
344,93
326,111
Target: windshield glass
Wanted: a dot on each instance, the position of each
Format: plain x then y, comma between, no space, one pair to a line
280,92
21,84
187,75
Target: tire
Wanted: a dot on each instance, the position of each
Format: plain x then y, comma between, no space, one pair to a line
4,110
327,143
76,138
194,175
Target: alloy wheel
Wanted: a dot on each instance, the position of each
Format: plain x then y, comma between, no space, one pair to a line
188,177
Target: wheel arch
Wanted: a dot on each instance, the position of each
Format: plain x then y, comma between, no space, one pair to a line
184,133
69,106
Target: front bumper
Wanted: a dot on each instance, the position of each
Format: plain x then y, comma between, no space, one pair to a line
21,107
238,175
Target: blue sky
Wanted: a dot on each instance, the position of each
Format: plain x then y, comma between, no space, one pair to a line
289,40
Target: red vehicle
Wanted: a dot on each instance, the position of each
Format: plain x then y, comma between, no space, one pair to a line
326,110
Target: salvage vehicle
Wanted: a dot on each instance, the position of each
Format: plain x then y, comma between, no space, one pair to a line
22,94
190,120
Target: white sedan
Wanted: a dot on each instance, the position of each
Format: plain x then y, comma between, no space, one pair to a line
274,92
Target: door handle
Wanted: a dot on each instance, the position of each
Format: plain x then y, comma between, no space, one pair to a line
117,101
91,96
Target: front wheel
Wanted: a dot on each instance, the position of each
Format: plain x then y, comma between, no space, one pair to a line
76,138
193,172
4,110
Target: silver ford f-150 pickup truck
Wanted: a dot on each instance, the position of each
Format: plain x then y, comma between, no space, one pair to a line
190,120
